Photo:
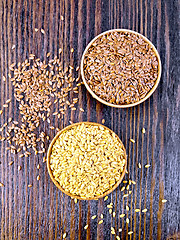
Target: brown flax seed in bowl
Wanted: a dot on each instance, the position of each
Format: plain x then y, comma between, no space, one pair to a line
121,67
87,160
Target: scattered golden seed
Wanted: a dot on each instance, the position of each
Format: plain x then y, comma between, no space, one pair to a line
36,29
124,181
122,215
143,130
42,30
1,184
132,140
112,232
137,210
125,195
64,235
106,197
109,206
93,217
139,165
118,238
48,54
127,220
147,165
30,185
127,208
10,163
19,168
13,47
1,112
120,229
144,210
62,18
101,221
38,177
86,226
122,189
103,121
38,166
114,214
131,232
101,215
72,50
110,211
164,200
75,200
133,182
4,78
130,192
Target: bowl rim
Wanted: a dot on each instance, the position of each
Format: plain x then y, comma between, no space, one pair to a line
59,186
122,105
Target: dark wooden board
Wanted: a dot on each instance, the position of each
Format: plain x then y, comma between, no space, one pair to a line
43,212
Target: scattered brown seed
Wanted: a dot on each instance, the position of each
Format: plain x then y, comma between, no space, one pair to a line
81,109
13,47
19,168
30,185
1,111
38,177
4,78
36,29
42,30
10,163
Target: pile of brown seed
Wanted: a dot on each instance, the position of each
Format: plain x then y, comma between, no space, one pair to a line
120,67
42,90
87,160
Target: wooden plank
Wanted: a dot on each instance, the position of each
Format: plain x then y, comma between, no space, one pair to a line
42,211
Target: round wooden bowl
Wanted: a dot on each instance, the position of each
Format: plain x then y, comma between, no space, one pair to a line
59,186
121,105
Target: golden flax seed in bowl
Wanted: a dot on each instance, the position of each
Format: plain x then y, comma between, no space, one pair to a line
121,68
86,160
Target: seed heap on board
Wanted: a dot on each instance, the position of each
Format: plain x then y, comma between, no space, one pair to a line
42,90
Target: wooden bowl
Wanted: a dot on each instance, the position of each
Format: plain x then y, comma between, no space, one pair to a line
121,105
59,186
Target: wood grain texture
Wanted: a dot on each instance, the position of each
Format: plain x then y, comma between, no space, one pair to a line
43,212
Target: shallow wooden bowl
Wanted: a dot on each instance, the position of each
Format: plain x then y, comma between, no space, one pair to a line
59,186
121,105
